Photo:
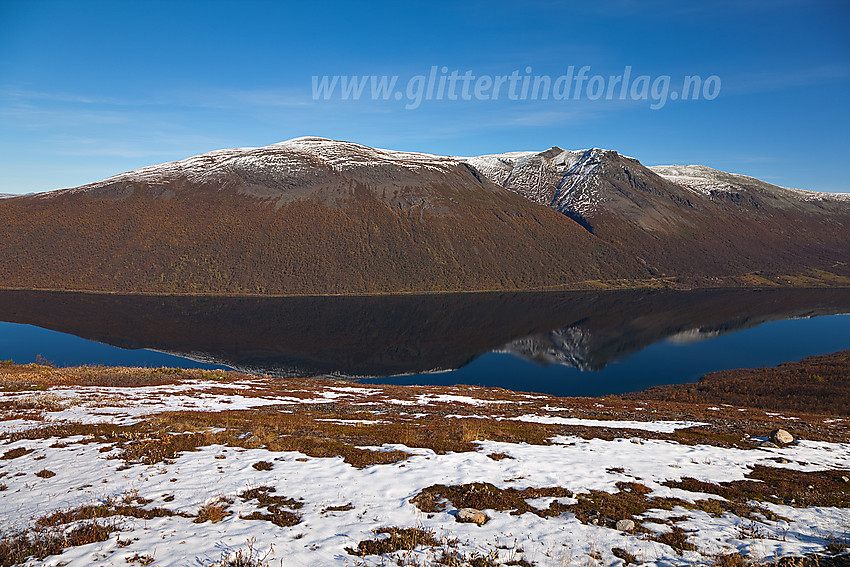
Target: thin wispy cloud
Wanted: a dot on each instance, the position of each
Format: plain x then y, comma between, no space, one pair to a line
774,81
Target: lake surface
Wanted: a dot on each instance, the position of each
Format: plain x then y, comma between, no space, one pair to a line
564,343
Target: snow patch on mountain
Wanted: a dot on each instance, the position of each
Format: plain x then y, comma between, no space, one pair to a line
566,180
708,181
291,159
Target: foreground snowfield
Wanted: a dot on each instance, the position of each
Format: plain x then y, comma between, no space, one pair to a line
341,505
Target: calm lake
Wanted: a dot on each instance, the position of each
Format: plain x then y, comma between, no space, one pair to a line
563,343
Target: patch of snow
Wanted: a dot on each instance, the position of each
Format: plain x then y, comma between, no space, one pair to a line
355,421
565,180
428,399
705,180
656,426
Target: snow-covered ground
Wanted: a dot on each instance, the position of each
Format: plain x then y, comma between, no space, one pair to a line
379,496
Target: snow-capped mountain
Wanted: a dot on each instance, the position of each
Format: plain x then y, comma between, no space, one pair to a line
714,183
301,168
290,161
562,179
582,183
313,215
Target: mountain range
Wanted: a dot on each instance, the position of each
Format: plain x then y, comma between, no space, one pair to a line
318,216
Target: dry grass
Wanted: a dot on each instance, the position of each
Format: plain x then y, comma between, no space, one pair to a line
111,508
779,486
452,558
16,548
677,538
214,511
278,517
140,559
315,430
308,431
340,508
815,384
627,557
164,445
499,456
246,556
45,401
23,377
15,453
813,560
398,539
485,496
605,508
274,506
597,507
263,495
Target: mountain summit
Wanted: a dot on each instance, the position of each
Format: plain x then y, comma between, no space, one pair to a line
318,216
680,220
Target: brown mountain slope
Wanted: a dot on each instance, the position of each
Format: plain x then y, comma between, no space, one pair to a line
305,216
316,216
691,221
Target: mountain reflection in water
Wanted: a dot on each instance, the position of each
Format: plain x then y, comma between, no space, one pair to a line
382,336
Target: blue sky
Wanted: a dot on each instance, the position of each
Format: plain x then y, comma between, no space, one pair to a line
90,89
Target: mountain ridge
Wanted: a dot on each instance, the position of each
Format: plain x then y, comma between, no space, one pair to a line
666,171
317,216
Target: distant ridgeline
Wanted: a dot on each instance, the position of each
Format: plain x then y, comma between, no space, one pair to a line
316,216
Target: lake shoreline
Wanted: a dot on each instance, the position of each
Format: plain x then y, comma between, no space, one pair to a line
819,280
825,392
562,343
815,384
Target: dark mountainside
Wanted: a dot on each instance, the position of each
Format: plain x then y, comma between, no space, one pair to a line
315,216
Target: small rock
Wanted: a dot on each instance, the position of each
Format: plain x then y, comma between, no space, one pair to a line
781,437
845,479
471,516
770,445
625,525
